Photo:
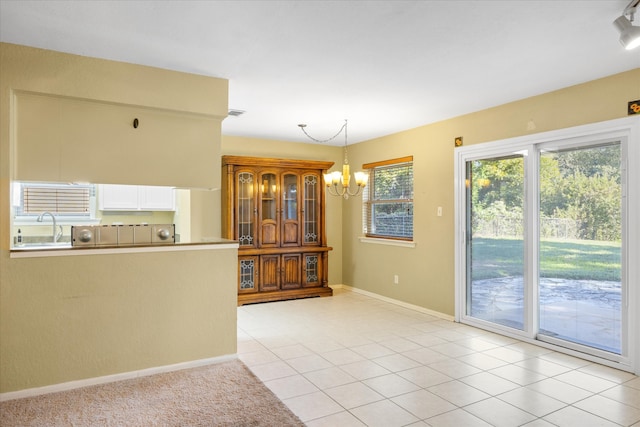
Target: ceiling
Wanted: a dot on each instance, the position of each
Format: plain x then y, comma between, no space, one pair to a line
386,66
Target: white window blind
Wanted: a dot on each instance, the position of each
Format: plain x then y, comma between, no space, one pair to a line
388,201
59,199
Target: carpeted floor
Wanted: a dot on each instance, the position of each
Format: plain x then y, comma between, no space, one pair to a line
224,394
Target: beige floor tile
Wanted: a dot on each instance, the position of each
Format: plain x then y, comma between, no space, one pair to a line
372,351
574,417
342,356
457,418
499,413
342,419
391,385
489,383
384,414
607,373
309,363
627,395
586,381
559,390
482,361
451,349
291,351
425,356
424,376
400,345
353,395
531,401
273,370
396,362
543,367
329,377
458,393
610,409
517,374
454,368
287,387
423,404
312,406
364,370
510,356
477,344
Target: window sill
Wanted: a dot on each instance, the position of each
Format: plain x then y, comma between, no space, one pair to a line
388,242
59,221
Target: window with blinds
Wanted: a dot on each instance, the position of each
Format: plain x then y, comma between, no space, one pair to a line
388,201
59,199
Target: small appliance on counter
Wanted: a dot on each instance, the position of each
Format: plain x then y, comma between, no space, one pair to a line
123,235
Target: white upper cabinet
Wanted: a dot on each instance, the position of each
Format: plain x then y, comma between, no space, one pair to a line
135,198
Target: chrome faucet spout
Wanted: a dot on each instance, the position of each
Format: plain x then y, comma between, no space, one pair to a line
55,234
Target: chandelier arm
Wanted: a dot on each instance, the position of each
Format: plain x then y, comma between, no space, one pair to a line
355,193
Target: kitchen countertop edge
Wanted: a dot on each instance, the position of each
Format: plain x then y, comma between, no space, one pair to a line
39,251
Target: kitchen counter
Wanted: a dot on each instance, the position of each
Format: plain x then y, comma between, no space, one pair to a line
65,249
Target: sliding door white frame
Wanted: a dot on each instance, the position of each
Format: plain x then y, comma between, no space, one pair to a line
627,131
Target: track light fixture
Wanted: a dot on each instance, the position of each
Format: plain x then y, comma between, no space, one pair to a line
629,34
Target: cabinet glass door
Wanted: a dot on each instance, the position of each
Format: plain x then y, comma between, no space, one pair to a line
268,210
290,223
311,232
246,209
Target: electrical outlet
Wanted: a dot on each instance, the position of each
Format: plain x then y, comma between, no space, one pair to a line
396,279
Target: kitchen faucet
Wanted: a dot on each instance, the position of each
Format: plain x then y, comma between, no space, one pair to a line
55,234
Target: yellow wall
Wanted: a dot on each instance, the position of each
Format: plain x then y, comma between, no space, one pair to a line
79,317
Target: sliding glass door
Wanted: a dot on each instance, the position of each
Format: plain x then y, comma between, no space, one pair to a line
495,240
580,246
541,252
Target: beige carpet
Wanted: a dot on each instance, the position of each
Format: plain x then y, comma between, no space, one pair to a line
224,394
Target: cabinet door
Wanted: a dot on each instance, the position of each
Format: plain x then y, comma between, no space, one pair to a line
269,209
311,215
118,197
312,270
290,234
153,198
269,272
247,274
245,208
291,270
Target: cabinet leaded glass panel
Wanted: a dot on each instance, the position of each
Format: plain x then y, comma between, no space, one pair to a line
246,209
247,274
312,268
310,208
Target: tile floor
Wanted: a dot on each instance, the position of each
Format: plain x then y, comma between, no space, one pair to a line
353,360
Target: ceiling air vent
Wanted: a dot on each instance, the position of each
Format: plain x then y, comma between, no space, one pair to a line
236,113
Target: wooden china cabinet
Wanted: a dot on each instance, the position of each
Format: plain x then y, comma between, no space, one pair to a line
275,209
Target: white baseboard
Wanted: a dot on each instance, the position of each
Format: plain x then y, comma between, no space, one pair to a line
30,392
395,301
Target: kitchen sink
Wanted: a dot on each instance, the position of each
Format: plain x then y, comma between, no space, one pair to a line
44,245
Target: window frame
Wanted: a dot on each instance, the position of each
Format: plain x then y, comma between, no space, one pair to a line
22,218
368,202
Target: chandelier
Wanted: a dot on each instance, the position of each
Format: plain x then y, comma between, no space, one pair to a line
336,182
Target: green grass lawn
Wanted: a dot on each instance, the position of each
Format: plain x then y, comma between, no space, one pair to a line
563,259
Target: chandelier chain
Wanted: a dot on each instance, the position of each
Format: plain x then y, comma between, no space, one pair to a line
328,139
